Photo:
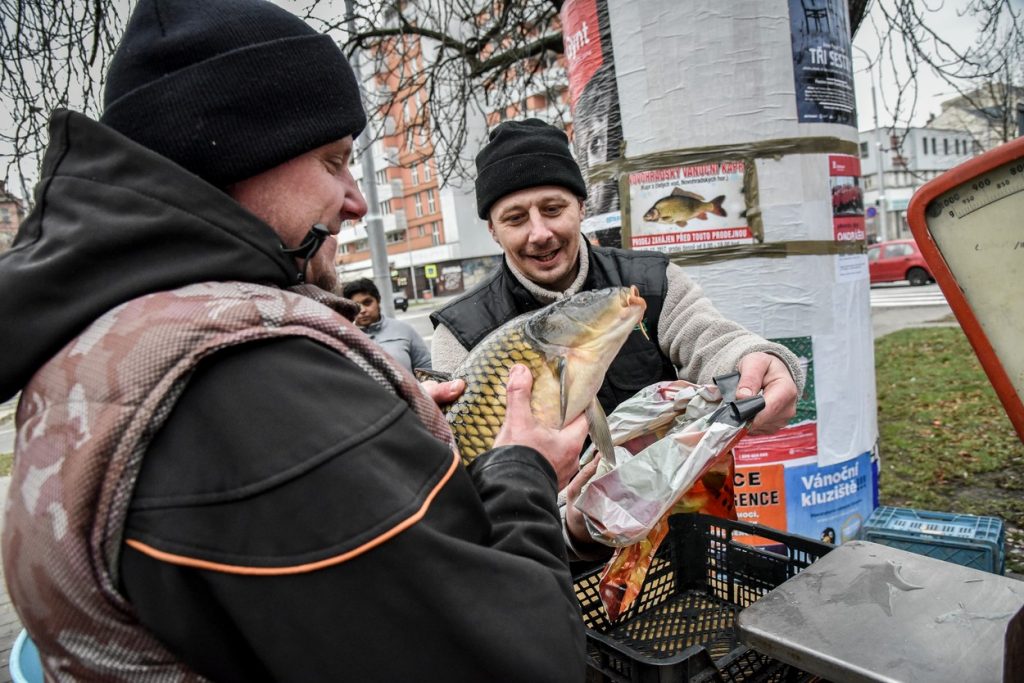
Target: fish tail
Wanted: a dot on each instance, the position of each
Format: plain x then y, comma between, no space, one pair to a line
716,204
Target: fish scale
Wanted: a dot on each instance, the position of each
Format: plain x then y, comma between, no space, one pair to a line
476,418
567,346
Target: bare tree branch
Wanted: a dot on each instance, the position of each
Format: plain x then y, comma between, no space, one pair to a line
449,68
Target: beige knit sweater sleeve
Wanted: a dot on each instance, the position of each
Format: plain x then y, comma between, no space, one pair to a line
702,343
445,350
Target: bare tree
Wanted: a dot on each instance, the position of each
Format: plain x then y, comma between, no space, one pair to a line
51,55
987,74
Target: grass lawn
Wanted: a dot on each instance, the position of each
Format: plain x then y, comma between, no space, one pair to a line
946,443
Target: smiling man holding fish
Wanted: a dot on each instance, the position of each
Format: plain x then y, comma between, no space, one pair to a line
531,193
217,475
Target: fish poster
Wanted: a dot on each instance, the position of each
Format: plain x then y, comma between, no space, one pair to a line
799,438
847,214
822,62
830,503
689,208
594,100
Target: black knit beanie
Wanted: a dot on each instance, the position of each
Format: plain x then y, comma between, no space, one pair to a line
228,88
523,154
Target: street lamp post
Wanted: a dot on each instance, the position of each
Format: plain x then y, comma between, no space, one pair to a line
883,212
374,223
412,268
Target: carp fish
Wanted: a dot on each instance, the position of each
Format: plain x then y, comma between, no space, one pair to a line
567,345
681,206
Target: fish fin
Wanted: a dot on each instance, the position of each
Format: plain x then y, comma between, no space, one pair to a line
681,224
600,435
702,215
563,387
717,203
422,374
680,192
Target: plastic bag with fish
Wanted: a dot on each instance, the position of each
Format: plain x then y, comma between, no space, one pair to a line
672,453
567,345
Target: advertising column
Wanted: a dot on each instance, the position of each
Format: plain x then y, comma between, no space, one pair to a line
738,159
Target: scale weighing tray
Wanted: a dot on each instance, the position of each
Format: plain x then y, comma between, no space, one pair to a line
868,612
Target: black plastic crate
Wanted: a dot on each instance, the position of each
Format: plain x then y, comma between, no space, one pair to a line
681,627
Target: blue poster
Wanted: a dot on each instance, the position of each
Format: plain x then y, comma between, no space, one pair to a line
830,503
822,63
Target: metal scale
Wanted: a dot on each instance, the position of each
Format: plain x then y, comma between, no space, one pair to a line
868,612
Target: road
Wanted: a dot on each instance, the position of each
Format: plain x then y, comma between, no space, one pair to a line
898,305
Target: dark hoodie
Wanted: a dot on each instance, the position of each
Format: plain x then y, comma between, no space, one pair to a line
283,451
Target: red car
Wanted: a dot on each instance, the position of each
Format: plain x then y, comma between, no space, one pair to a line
898,260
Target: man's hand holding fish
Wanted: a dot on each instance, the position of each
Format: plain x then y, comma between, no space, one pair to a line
560,447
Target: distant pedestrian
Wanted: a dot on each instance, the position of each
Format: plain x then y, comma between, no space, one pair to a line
396,337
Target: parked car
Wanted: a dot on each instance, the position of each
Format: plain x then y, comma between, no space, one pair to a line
897,260
401,303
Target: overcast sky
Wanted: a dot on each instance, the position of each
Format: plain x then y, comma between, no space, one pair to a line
931,90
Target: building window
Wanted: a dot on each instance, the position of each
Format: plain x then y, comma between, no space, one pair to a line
431,203
394,237
945,145
382,176
385,208
426,171
435,233
414,173
863,150
423,230
419,204
925,141
934,150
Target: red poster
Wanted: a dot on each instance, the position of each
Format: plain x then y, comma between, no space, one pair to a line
789,443
582,39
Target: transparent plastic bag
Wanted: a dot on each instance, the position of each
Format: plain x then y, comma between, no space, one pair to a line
673,444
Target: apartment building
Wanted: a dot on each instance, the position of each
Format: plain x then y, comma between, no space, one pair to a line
965,127
12,212
908,160
436,244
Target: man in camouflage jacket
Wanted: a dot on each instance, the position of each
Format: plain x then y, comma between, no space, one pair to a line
217,476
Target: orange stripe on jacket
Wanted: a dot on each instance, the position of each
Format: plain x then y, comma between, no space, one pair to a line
172,558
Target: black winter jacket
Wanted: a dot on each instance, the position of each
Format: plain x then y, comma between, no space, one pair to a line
282,451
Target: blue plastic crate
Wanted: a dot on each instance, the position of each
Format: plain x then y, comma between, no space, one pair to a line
968,540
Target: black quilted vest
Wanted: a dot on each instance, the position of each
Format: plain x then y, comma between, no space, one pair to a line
501,297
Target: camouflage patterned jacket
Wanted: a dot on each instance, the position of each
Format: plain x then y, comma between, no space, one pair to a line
285,514
85,422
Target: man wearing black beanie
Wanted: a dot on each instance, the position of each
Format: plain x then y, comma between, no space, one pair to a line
530,191
217,475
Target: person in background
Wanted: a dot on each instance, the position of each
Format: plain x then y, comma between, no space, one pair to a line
396,337
217,475
531,192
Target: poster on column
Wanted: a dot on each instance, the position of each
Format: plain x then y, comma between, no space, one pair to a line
847,214
822,66
799,438
760,492
594,101
829,503
689,208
